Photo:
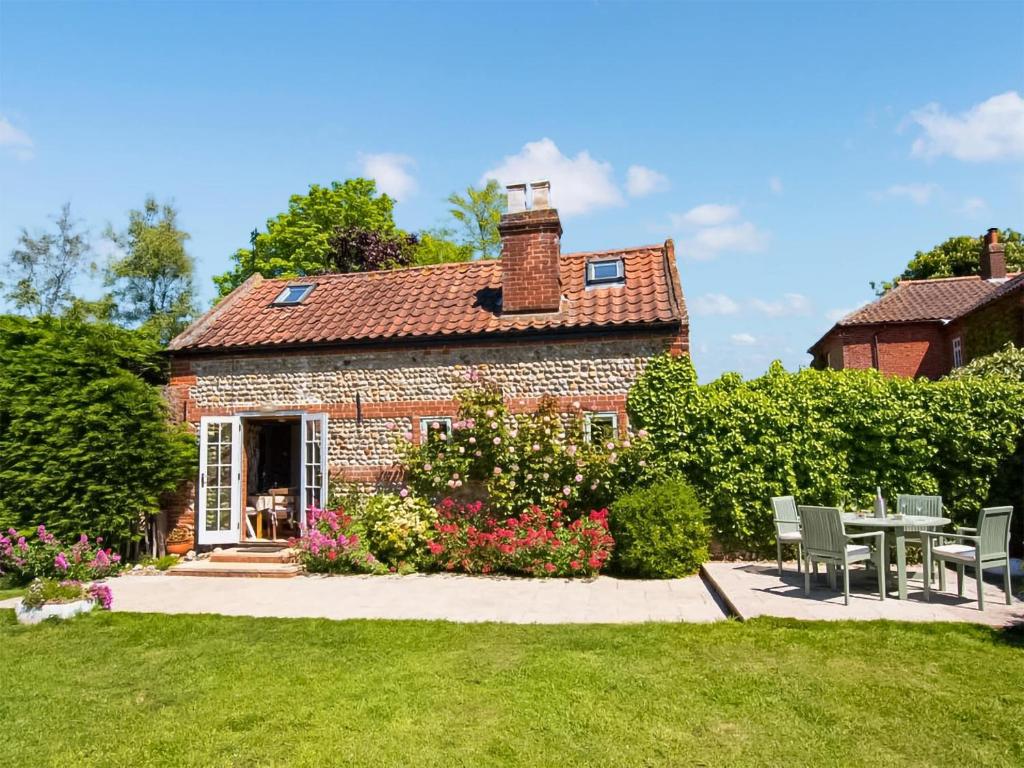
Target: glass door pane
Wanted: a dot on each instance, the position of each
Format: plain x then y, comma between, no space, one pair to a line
218,471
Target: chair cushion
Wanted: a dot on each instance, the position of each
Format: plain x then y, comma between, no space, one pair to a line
955,552
790,536
857,549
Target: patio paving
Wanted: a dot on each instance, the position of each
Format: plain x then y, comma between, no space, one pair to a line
437,596
755,589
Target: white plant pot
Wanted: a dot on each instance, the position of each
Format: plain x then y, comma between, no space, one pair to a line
52,610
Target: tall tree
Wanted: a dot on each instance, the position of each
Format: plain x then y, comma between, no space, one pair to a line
297,242
151,281
45,267
479,212
958,256
356,249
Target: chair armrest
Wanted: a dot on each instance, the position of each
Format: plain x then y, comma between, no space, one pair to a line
791,522
965,529
942,535
880,535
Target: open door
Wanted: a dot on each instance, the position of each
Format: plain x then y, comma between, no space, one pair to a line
313,481
220,479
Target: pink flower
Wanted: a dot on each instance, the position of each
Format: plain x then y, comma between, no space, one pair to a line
61,562
490,413
578,478
642,433
497,441
566,490
497,470
549,567
407,435
404,492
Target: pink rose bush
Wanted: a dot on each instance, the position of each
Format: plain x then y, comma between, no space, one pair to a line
330,543
24,558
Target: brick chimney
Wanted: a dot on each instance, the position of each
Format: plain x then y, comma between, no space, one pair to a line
993,259
530,281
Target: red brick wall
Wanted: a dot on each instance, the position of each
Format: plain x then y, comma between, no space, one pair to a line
911,349
990,328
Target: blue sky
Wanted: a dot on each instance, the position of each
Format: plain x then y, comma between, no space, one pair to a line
793,151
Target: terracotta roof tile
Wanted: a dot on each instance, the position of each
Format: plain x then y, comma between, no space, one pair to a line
921,300
447,300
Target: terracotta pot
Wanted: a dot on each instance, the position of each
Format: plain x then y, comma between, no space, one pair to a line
179,547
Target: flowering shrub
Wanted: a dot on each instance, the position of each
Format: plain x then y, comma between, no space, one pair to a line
330,543
397,529
44,556
467,538
48,591
515,462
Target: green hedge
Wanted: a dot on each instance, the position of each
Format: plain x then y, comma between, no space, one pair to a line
661,532
85,441
828,437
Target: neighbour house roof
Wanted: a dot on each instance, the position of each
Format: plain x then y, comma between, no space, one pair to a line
445,301
935,300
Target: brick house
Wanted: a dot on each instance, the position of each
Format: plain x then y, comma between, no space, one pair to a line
291,381
928,327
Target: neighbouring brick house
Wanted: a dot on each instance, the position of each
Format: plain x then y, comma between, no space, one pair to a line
289,382
928,327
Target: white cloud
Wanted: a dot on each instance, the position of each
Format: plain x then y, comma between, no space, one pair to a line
790,304
973,206
708,243
391,172
642,181
743,339
16,140
706,215
579,184
991,130
775,185
716,229
918,193
713,304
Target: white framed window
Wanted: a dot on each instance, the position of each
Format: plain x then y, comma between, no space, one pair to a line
605,271
958,351
434,424
599,427
293,294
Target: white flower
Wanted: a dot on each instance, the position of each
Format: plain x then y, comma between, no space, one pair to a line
472,441
610,445
566,490
497,441
490,413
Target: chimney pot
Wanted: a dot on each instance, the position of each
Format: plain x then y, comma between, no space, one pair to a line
541,194
992,236
516,198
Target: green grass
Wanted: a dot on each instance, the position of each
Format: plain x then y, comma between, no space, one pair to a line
140,690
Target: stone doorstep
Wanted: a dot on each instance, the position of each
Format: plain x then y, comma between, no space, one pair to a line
260,570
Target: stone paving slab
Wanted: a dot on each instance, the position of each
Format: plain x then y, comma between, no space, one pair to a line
435,596
755,589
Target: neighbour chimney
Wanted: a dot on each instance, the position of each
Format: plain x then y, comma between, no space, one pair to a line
993,258
530,280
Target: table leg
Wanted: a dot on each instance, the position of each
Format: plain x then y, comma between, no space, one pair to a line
259,524
901,562
885,559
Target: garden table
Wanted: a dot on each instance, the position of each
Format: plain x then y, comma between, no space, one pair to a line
895,529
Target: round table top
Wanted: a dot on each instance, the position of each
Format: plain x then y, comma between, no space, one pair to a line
905,521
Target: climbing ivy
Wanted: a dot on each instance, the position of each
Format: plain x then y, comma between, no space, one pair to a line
827,437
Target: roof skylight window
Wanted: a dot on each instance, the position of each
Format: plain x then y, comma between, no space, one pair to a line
293,294
605,271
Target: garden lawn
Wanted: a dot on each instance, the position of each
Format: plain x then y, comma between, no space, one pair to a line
140,690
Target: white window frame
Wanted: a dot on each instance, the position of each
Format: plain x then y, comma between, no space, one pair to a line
620,272
280,300
589,418
425,425
958,351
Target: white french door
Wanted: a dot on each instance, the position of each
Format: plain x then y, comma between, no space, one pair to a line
220,479
313,481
